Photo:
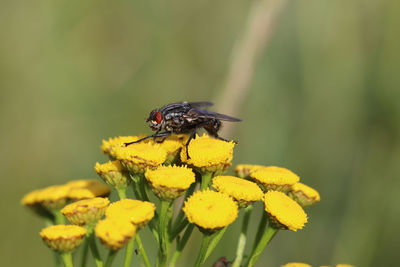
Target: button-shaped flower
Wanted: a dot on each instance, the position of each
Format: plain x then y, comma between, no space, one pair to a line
114,232
243,191
210,210
169,182
87,211
296,264
284,212
84,189
109,146
304,194
136,158
243,170
209,154
63,238
274,178
172,145
135,211
113,174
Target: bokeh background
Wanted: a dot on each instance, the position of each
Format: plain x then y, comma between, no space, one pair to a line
322,99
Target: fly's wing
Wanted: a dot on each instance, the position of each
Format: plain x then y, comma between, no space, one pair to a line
202,113
200,104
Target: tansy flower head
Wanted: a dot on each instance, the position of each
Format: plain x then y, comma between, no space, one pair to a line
138,157
63,238
274,178
114,233
296,264
31,200
304,195
83,189
284,212
86,211
135,211
209,154
53,197
243,170
169,182
243,191
108,147
210,210
113,174
172,145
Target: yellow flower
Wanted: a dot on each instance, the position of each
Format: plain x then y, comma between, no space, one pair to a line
63,238
208,154
243,191
304,195
172,145
114,233
53,197
169,182
274,178
284,212
210,210
243,170
83,189
138,157
86,211
108,147
296,264
136,211
113,174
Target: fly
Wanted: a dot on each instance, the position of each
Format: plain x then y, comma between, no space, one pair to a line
185,118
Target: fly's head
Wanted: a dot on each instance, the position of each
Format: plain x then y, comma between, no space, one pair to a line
155,120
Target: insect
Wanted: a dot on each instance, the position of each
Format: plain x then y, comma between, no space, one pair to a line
185,118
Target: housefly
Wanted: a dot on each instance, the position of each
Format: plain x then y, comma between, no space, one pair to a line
185,118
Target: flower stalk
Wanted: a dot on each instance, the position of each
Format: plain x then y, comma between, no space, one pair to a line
142,251
129,252
242,237
201,258
163,232
265,239
67,259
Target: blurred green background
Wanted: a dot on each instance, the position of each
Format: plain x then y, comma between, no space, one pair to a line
323,101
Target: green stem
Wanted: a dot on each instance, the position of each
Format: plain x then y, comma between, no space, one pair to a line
216,237
255,254
261,229
67,259
121,192
110,257
205,180
201,258
181,244
242,237
129,252
94,250
179,228
58,217
142,251
85,252
135,184
163,232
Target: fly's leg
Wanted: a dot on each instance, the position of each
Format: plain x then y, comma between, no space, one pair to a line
164,134
192,136
213,128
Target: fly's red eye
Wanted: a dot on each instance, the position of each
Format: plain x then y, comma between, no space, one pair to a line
158,117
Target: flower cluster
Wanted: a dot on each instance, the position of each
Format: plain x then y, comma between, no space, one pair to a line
160,171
